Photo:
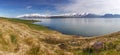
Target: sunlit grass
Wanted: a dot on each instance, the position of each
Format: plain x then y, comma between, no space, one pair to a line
29,23
48,44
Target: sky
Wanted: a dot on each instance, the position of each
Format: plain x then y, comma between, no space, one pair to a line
13,8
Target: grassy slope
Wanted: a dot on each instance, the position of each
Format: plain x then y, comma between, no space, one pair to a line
29,23
21,37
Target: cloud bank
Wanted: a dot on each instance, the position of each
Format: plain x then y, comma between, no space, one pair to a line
92,6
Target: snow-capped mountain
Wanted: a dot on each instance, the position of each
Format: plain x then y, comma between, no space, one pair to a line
32,16
74,14
51,16
70,15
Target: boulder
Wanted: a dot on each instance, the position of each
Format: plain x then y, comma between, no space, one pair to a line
98,45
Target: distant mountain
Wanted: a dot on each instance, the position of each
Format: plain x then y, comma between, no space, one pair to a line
111,16
32,16
91,16
70,15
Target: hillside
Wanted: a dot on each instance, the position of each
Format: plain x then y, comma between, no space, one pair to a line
21,37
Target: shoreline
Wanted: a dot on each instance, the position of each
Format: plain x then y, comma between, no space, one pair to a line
77,35
32,21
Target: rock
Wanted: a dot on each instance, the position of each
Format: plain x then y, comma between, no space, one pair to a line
62,46
98,45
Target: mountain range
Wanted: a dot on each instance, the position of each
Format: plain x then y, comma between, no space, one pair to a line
73,15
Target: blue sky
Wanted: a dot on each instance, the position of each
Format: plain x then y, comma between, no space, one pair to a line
13,8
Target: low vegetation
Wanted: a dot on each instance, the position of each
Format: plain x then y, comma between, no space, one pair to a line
21,37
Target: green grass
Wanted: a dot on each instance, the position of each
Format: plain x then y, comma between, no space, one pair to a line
29,23
50,40
35,50
13,39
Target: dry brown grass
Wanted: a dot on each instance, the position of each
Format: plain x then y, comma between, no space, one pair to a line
19,38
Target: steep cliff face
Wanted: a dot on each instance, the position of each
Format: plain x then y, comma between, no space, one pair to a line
20,37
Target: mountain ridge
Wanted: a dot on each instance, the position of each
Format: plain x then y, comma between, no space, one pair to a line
73,15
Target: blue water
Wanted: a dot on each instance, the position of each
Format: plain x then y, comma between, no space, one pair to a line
83,26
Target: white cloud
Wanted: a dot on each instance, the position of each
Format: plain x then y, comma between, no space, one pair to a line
92,6
29,7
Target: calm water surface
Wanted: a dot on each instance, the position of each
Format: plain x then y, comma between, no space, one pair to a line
83,26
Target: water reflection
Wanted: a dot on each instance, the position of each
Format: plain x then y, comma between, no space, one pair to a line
83,26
